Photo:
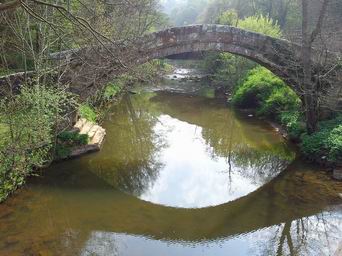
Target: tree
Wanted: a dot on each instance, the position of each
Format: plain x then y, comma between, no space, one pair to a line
309,84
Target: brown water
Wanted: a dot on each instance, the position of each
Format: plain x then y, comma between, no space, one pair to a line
178,175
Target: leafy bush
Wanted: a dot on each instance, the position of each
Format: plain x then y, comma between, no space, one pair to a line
30,119
66,141
261,24
87,112
229,17
272,98
326,142
334,143
62,151
292,121
229,68
226,68
73,138
5,72
281,99
263,90
112,89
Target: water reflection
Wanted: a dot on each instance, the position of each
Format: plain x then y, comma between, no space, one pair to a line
191,148
316,235
129,160
183,151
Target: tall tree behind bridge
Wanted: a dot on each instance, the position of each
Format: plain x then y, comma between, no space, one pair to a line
312,30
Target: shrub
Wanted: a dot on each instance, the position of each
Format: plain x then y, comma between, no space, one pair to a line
256,89
281,99
66,141
30,119
313,146
229,68
62,151
325,142
87,112
112,89
334,143
261,24
293,122
229,17
73,138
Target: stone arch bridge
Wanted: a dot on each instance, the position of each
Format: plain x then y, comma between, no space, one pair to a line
89,68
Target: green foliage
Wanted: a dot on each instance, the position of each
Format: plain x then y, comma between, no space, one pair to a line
261,24
281,99
265,92
30,119
226,68
4,72
112,89
3,130
229,68
66,141
326,142
73,138
334,143
272,98
229,17
293,122
62,151
87,112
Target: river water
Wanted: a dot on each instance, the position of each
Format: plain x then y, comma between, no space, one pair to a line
180,173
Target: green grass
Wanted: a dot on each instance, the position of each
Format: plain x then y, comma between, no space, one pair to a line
87,112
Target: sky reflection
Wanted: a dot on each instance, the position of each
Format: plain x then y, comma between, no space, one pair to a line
191,176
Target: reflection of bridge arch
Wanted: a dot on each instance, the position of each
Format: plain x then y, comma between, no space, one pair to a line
274,203
290,196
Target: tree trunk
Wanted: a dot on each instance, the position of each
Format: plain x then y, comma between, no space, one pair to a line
310,94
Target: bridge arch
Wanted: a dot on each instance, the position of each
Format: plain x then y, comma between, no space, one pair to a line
277,55
91,67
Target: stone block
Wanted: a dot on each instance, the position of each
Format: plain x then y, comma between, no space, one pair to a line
337,173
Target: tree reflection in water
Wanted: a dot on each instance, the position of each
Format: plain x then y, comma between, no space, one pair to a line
129,160
319,234
316,235
248,146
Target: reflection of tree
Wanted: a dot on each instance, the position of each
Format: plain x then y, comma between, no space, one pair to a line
130,156
134,145
247,145
259,165
315,235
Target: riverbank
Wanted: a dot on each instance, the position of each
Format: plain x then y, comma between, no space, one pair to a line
37,123
272,99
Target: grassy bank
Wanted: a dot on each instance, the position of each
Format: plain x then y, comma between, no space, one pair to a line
273,99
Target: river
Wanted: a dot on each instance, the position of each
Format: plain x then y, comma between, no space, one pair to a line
180,173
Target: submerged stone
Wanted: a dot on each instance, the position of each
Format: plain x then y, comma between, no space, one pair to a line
337,173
